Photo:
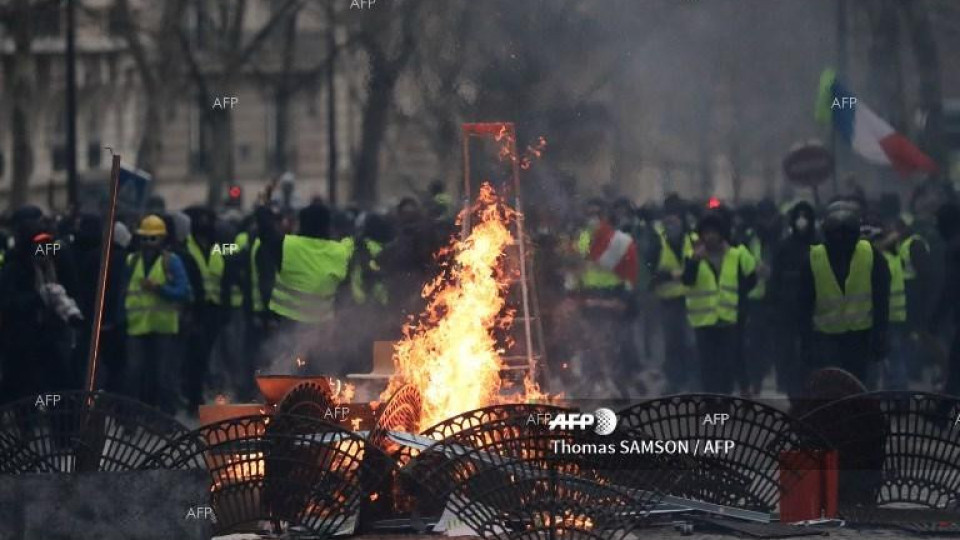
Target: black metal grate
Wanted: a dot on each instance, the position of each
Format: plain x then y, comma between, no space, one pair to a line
307,398
400,413
486,416
747,476
82,432
281,468
895,447
505,479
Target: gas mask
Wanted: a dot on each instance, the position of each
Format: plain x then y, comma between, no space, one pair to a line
801,224
673,229
842,235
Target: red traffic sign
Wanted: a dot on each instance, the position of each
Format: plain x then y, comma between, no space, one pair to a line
809,164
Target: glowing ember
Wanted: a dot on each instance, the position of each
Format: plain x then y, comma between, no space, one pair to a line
451,354
230,470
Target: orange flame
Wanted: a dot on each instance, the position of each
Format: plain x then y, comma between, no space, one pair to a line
451,354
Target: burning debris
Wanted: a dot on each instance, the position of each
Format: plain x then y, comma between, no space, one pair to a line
451,352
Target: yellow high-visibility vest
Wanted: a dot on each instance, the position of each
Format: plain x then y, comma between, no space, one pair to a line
839,311
670,262
211,268
310,273
713,300
377,290
211,282
898,289
594,277
258,304
760,289
148,312
909,271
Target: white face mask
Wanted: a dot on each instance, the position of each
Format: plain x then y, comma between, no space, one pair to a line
801,224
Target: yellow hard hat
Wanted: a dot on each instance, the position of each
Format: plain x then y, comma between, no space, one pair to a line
152,226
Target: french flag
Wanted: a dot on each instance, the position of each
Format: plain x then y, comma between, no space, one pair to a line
615,251
868,134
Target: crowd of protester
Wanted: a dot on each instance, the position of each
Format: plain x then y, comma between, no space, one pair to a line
699,295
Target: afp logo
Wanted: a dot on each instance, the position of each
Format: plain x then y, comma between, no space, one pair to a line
604,421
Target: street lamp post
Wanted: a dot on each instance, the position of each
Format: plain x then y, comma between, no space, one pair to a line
71,106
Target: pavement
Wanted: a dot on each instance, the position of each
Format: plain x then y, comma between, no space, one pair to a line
666,533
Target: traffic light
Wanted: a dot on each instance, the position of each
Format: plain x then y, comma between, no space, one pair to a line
234,196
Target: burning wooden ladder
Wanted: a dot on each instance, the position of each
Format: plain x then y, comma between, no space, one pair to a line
526,358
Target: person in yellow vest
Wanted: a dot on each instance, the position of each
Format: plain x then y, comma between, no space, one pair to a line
913,248
368,298
202,333
845,288
665,257
609,267
157,290
759,341
234,355
886,243
366,280
718,276
310,269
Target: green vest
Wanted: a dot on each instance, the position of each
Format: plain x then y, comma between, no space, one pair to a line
670,262
756,249
148,312
310,273
378,289
593,276
839,311
256,299
898,289
211,281
909,271
258,304
712,301
211,268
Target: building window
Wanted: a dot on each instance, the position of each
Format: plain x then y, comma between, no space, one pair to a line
94,143
198,158
94,154
46,20
58,141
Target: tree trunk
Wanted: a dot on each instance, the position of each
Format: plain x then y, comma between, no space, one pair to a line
281,158
150,148
219,161
375,113
22,92
886,69
927,57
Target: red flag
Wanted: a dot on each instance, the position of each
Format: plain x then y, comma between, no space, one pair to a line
615,250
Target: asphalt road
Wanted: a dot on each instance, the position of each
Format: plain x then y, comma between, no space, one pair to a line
664,533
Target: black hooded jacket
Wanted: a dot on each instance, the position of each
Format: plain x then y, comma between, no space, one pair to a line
789,258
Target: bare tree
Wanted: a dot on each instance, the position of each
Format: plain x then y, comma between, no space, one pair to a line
916,16
17,16
217,49
157,60
389,40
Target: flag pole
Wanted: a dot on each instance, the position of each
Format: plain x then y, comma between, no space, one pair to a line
93,353
841,74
